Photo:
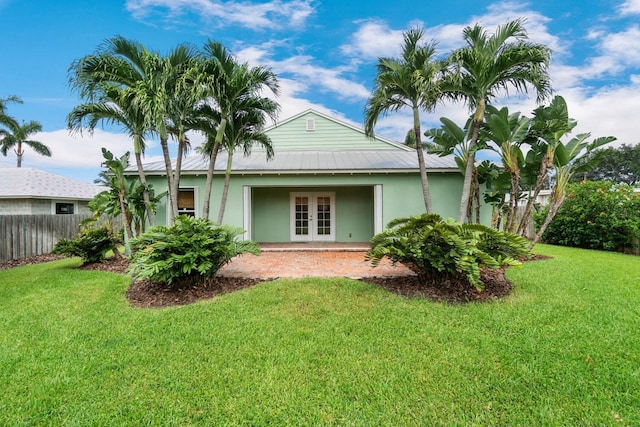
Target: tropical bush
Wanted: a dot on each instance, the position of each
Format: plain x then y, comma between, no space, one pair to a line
92,243
595,215
435,248
190,251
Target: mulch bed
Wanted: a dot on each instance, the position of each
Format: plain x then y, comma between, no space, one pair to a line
149,294
454,291
28,261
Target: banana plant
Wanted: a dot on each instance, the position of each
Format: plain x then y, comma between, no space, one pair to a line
550,124
508,131
576,156
451,139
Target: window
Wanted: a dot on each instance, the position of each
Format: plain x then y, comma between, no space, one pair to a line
311,124
187,202
64,208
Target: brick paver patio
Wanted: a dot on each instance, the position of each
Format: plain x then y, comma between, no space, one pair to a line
309,263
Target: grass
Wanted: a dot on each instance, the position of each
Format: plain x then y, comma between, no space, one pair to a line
562,349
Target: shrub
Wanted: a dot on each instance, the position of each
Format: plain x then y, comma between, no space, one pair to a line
91,244
434,247
190,251
596,215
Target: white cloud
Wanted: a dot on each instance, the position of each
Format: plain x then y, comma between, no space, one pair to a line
307,74
619,51
374,38
77,151
275,14
630,7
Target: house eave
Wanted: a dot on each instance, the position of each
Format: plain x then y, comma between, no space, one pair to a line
307,172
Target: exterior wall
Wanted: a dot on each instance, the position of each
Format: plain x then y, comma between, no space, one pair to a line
38,206
25,206
401,196
328,135
271,213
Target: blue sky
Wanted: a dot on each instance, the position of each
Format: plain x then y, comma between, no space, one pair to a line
324,53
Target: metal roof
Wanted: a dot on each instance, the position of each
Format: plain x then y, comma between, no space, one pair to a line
36,183
296,162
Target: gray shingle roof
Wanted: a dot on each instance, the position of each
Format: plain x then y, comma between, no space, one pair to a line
36,183
314,161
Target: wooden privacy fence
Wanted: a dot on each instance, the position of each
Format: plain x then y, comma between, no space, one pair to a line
23,236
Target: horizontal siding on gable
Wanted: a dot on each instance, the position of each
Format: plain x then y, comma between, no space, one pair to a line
328,136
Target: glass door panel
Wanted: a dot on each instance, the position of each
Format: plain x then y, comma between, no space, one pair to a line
312,216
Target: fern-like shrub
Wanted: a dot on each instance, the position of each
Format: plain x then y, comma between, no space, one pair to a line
436,248
91,244
189,252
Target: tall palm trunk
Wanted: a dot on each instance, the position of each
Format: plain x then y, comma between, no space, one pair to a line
173,198
212,162
19,153
423,170
475,196
209,183
469,171
225,188
137,151
175,190
510,223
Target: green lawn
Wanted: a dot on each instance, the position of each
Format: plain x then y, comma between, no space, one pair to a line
562,349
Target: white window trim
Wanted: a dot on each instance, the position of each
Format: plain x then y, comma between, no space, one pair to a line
311,124
69,202
196,204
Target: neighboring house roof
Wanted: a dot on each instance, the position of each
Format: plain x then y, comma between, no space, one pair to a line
35,183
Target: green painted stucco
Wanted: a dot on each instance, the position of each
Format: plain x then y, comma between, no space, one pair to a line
401,196
271,212
259,201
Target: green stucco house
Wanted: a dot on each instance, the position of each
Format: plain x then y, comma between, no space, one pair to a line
327,182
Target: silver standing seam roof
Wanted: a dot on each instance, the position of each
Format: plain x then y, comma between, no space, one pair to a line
302,162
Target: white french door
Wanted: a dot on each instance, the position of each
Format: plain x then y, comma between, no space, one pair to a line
313,217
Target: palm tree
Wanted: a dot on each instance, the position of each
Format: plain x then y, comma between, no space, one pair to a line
243,131
485,66
176,116
113,80
207,121
231,91
116,108
3,106
411,81
16,135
